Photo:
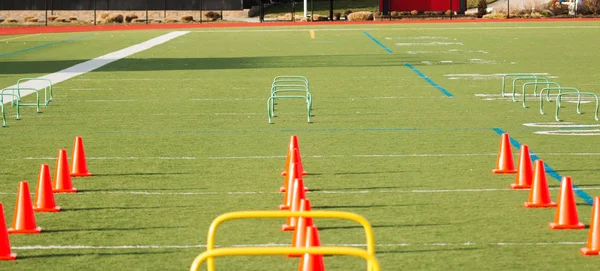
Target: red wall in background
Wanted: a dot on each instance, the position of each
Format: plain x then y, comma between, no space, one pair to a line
422,5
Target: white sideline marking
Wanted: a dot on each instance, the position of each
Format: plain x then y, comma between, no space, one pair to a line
74,247
559,125
592,132
93,64
435,43
392,29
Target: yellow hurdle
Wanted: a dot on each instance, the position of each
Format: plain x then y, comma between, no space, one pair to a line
210,243
246,251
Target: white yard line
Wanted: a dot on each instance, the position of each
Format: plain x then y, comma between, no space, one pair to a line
93,64
76,247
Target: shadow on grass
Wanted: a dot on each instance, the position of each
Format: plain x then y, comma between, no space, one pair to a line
189,189
358,188
428,250
141,174
21,257
367,206
219,63
123,208
380,226
113,229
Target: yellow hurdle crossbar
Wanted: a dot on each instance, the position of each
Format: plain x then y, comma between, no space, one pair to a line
246,251
210,243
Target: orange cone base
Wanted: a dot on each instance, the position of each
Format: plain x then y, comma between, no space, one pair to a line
589,252
9,257
73,190
500,171
284,207
283,173
577,226
47,210
87,174
34,231
540,205
287,228
515,186
283,189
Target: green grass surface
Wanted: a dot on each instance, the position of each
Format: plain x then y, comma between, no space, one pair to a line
321,7
171,132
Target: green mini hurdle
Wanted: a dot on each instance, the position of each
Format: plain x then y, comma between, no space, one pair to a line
47,91
558,102
530,75
559,97
289,84
16,92
13,97
534,94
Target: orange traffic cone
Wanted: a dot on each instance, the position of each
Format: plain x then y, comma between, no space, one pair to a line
79,166
593,242
312,262
525,171
566,213
287,196
288,160
62,179
298,194
294,158
539,195
504,164
24,219
299,237
5,254
44,197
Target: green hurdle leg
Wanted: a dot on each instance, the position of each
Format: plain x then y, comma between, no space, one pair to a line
559,96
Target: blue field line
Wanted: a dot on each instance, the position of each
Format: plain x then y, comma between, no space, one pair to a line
45,45
424,77
578,191
378,42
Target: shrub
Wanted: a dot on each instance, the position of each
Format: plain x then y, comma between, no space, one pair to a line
377,15
61,20
129,17
495,16
448,12
337,16
546,13
347,12
592,5
104,15
536,15
30,19
394,14
319,17
51,18
414,12
212,16
361,16
404,13
170,21
10,20
481,8
72,18
114,18
187,18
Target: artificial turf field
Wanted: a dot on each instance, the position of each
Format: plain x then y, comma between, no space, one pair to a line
177,135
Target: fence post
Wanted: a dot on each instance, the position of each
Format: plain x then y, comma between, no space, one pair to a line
201,7
508,10
165,11
94,12
331,10
146,11
46,11
451,10
222,4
